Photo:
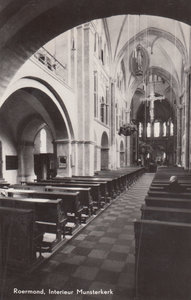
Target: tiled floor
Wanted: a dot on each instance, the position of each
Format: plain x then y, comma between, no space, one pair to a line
99,259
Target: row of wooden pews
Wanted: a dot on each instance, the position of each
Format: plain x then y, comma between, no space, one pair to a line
18,247
163,240
58,208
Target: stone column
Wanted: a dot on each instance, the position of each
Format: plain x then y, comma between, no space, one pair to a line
80,98
179,134
26,161
74,158
187,117
88,100
161,129
73,56
144,134
128,144
167,128
98,158
112,118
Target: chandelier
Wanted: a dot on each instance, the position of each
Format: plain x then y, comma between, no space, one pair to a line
128,129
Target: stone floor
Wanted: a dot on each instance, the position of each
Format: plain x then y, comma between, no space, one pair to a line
98,259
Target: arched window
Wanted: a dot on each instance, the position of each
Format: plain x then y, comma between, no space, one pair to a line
149,130
140,129
171,128
102,110
156,129
164,129
43,141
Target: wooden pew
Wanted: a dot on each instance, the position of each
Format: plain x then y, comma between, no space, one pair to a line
71,199
117,182
161,188
107,185
165,184
164,194
85,197
168,202
95,189
102,184
163,262
50,215
125,176
166,214
166,181
70,204
19,240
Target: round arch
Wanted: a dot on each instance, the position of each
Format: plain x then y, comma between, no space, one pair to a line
38,88
104,151
23,113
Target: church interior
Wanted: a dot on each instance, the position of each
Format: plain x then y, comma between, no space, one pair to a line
95,150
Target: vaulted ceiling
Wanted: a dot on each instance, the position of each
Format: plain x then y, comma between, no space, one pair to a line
165,40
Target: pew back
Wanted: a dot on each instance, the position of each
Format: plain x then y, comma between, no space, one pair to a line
17,238
163,260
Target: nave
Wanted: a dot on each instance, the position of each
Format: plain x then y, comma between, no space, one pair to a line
100,257
83,107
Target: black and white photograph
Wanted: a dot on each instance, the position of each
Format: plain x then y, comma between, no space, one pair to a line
95,150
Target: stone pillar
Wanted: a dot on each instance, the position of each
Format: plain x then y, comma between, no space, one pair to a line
161,129
98,158
81,158
136,136
187,118
73,56
127,152
88,100
26,161
128,145
112,118
80,98
95,158
85,100
74,158
89,158
168,129
179,134
64,158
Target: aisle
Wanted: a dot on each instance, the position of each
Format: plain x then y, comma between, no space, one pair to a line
99,259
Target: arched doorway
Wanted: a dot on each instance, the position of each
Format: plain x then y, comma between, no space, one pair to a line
44,166
104,152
